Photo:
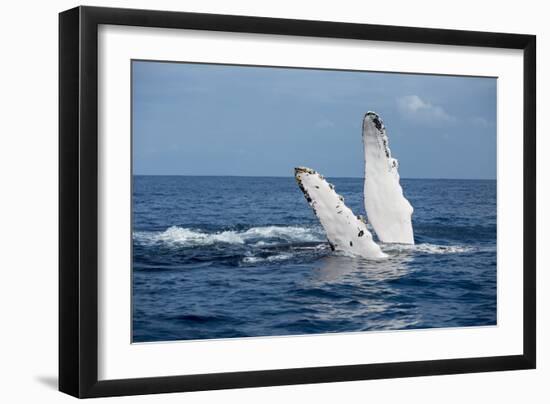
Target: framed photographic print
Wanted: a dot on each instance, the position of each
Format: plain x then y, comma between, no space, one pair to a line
251,201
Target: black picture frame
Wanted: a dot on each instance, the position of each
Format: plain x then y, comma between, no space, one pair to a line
78,201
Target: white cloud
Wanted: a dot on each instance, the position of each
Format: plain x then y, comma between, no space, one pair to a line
482,122
415,108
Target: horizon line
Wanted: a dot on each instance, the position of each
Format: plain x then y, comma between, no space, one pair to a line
291,176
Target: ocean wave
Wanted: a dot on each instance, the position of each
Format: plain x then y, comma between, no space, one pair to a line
264,243
429,248
270,258
263,236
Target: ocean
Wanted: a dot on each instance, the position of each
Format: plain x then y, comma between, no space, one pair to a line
228,257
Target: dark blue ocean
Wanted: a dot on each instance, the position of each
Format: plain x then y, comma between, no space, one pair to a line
223,257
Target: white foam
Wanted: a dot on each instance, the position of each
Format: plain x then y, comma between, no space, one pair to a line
291,233
429,248
182,237
270,258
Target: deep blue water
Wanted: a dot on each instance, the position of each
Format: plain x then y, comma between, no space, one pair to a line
221,257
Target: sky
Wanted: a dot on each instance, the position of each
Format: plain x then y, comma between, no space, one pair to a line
205,119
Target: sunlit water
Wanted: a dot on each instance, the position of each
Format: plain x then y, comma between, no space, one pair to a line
221,257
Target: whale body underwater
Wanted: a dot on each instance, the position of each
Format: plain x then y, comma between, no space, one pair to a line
388,211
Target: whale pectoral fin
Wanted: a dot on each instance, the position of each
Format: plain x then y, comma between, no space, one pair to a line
388,210
345,231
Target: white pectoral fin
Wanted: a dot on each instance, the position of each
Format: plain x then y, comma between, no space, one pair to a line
345,231
387,209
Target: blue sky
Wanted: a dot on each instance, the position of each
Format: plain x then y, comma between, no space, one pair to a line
199,119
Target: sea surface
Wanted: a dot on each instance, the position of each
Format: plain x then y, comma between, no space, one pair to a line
225,257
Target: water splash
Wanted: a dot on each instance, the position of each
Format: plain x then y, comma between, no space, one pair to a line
176,236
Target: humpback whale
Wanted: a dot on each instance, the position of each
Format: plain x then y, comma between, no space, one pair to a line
388,211
345,231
